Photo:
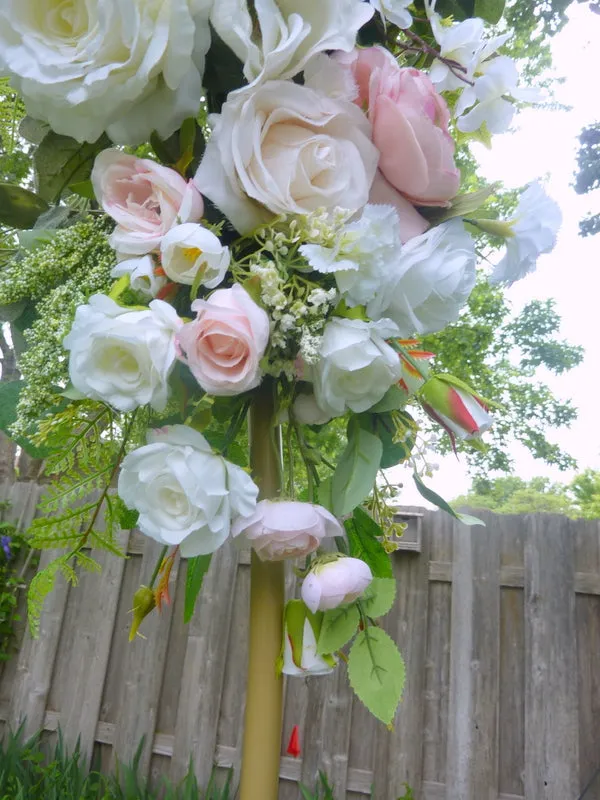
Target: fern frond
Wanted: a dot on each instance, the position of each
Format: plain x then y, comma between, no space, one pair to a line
86,562
41,586
74,486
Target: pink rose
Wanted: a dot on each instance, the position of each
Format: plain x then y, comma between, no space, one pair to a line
410,126
286,529
335,583
224,344
144,198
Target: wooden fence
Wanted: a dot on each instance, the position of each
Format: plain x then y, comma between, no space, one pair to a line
499,626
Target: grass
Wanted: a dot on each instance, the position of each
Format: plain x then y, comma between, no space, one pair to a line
29,772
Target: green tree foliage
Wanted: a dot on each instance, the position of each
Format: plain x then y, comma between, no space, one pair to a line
499,354
513,495
587,178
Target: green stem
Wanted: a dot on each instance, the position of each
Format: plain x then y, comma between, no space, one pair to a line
161,558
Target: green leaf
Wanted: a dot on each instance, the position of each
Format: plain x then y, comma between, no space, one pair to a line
363,533
324,495
489,10
9,398
385,428
438,501
339,626
378,597
376,672
61,161
394,398
196,570
20,208
357,469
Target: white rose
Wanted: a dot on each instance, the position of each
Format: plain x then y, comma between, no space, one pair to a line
357,366
532,232
280,36
186,495
429,281
122,66
285,148
189,249
396,11
362,253
142,275
123,357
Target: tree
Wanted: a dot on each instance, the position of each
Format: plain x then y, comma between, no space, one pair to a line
513,495
499,355
587,178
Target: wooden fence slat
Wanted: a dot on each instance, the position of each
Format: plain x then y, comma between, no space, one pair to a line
143,673
203,670
327,729
472,768
97,597
551,704
399,753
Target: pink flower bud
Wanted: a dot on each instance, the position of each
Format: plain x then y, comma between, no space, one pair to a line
462,413
286,529
334,583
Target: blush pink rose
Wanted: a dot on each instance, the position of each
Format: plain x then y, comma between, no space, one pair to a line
224,344
286,529
144,198
410,126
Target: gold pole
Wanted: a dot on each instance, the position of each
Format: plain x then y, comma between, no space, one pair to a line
264,690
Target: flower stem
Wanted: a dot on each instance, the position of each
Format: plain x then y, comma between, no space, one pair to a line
264,687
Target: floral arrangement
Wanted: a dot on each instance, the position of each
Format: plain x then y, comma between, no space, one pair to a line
253,209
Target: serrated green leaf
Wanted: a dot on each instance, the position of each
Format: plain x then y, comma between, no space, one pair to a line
489,10
356,472
61,161
379,597
363,533
338,627
196,570
20,208
438,501
376,672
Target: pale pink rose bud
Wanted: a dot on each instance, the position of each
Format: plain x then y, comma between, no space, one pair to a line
286,529
223,346
410,126
144,198
335,583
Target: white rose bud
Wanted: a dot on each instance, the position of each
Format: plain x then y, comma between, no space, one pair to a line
301,633
186,495
190,249
123,357
335,583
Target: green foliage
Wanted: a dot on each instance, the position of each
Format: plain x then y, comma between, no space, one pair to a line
338,627
196,570
30,770
356,470
587,178
364,536
79,509
323,790
499,353
12,548
513,495
60,161
376,672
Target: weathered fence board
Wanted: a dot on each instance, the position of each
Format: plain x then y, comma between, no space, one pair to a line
500,630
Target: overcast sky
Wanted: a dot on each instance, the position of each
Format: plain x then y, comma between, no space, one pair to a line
543,143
